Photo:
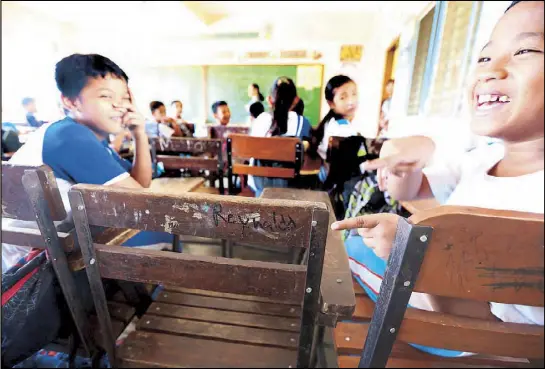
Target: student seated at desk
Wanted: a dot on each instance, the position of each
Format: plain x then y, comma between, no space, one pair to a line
222,113
282,122
506,100
94,89
341,94
29,104
177,104
159,113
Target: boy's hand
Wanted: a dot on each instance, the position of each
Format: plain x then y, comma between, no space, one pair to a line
401,156
377,230
133,119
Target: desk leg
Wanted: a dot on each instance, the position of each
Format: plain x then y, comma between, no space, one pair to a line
176,246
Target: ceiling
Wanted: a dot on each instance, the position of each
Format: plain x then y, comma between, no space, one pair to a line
226,19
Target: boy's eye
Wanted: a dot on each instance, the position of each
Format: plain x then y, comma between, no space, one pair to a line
105,97
484,59
526,51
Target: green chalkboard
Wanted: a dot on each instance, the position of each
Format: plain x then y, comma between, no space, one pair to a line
230,83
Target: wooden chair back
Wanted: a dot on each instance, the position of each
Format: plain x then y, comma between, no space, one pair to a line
465,253
221,132
252,221
168,152
31,194
287,150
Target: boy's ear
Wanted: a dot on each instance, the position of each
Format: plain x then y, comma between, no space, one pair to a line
270,101
69,104
331,104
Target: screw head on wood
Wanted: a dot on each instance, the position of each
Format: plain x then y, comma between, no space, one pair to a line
392,330
80,207
347,339
407,283
147,322
423,238
92,261
314,223
309,290
292,339
339,280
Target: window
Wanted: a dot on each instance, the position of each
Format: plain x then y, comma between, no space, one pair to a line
454,57
422,47
443,54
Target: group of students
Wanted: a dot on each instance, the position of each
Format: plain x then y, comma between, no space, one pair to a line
506,99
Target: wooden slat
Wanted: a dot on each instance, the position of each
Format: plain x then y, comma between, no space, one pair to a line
266,148
175,186
33,238
188,145
220,332
463,334
337,291
221,132
161,350
262,171
177,162
483,255
350,339
281,282
253,221
229,296
15,201
225,317
229,305
472,335
353,361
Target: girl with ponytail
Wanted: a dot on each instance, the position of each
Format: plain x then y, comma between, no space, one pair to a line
282,121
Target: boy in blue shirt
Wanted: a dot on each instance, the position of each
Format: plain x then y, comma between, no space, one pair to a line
95,92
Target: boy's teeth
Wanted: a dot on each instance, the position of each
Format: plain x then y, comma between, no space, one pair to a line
492,98
504,98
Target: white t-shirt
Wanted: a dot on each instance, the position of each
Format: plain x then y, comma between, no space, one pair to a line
465,182
333,128
262,125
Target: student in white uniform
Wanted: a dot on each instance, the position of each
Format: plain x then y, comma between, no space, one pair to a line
506,100
281,122
341,94
255,95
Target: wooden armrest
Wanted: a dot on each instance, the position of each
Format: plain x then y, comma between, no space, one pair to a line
338,299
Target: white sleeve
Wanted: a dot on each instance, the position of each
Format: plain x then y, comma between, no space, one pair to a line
443,175
261,125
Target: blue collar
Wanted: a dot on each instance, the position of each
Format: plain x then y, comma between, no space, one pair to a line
343,122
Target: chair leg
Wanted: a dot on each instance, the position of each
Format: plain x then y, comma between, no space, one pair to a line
226,249
176,247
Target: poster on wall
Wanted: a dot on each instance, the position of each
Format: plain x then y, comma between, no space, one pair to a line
351,53
309,77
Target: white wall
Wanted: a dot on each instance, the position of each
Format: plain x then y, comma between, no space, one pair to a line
31,45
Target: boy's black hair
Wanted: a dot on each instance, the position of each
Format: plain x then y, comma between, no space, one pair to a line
256,109
154,105
27,100
175,101
299,108
217,104
512,5
73,72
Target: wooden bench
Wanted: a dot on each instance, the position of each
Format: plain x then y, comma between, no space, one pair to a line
457,252
272,309
206,155
288,150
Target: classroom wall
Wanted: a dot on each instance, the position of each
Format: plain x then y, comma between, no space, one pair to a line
31,45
